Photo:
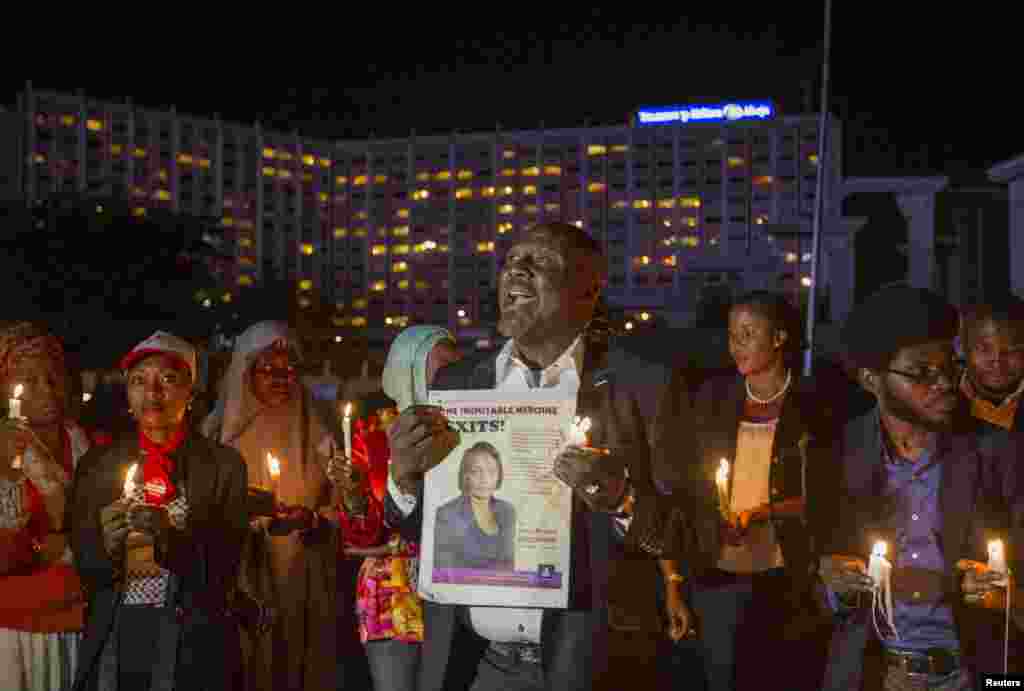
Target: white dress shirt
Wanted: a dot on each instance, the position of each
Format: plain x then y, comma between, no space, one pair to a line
506,624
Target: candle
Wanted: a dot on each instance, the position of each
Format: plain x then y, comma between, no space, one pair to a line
274,469
997,559
722,483
347,428
879,567
580,427
14,412
129,481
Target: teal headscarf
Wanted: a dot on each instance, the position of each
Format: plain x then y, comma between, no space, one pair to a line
405,372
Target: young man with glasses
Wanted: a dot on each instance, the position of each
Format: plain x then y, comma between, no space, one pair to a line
915,475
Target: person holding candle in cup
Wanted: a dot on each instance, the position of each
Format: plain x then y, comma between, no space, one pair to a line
290,559
158,521
41,601
758,440
921,485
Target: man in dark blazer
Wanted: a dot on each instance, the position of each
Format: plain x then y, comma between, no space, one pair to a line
549,288
919,477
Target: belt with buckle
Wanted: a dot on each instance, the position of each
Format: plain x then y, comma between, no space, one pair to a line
518,652
936,662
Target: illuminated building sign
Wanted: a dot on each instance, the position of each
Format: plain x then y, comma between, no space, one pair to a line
728,112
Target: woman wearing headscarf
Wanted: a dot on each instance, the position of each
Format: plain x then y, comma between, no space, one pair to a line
158,523
264,409
41,605
389,610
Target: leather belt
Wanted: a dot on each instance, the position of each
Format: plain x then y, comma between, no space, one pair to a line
518,652
935,662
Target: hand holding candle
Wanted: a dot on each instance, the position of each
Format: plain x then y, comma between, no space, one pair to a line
274,470
347,429
722,484
879,567
14,413
580,428
129,481
997,562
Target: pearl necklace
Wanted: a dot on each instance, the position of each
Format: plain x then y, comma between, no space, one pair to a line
776,396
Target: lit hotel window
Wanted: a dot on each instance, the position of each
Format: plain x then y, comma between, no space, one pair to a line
578,223
763,180
791,257
162,195
359,180
690,221
423,177
116,149
530,189
380,179
421,194
340,232
442,248
284,156
246,261
245,242
422,285
68,120
162,175
465,175
307,249
400,231
596,187
324,197
531,171
309,159
359,303
620,148
400,249
813,158
485,246
509,153
339,321
551,207
379,250
361,215
464,193
508,172
670,240
531,209
806,257
666,203
245,280
269,153
284,174
735,161
358,322
642,204
227,221
760,220
341,180
402,213
399,267
621,204
305,284
689,202
465,321
597,150
139,152
39,158
359,233
378,286
139,211
487,192
204,163
403,284
552,170
185,159
506,191
691,241
443,175
138,191
269,172
382,232
506,209
504,228
669,261
642,261
246,224
325,163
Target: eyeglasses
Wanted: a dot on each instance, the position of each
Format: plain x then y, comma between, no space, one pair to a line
931,376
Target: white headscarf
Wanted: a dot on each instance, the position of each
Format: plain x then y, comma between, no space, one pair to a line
237,407
405,372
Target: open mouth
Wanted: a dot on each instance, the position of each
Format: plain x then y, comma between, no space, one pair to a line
516,296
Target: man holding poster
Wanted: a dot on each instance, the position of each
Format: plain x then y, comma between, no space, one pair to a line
549,288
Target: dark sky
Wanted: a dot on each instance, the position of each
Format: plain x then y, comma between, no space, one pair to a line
931,87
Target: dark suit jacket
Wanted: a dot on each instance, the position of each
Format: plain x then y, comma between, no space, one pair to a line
205,557
453,541
981,492
718,409
627,396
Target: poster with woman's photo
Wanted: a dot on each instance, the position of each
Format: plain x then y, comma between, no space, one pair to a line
496,521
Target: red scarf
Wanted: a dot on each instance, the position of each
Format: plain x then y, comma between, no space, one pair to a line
158,467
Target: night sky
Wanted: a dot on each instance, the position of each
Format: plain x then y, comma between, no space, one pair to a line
932,90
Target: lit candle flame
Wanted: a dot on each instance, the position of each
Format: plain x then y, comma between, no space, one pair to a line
580,427
722,476
273,466
348,410
18,390
129,480
880,549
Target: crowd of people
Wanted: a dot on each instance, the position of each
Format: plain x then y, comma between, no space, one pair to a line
754,531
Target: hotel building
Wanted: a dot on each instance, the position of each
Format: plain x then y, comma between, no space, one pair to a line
402,230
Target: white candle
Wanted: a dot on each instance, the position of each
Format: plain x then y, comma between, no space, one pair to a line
879,567
997,559
129,481
722,483
580,428
14,412
274,469
347,428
